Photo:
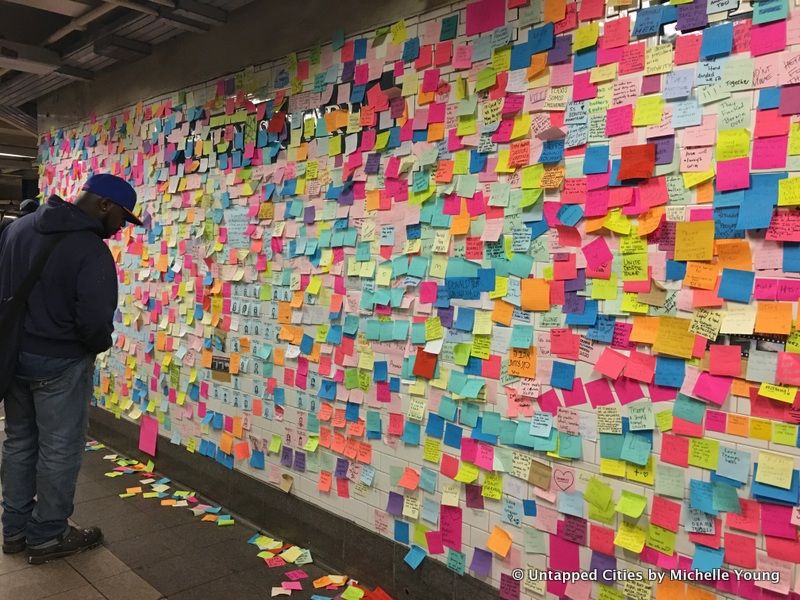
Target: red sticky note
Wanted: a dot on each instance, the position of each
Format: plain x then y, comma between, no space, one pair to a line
637,162
725,360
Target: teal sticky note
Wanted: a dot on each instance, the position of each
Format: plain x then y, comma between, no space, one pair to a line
522,336
411,433
428,479
547,444
522,437
725,498
491,423
571,503
734,464
469,414
508,431
520,265
766,11
689,409
430,511
448,408
636,449
569,446
541,424
472,387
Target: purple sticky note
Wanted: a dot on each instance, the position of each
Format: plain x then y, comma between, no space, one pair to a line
446,316
665,149
308,215
692,16
300,461
561,50
481,563
577,284
474,497
395,504
287,456
603,562
341,468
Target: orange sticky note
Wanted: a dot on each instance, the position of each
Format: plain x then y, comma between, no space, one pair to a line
694,240
774,317
701,275
554,11
503,313
522,362
499,542
236,361
535,294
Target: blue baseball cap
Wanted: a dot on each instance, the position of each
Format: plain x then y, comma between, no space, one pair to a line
116,189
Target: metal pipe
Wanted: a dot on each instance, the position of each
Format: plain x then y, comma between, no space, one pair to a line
80,23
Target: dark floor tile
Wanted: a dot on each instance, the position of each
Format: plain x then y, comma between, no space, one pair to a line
225,588
200,534
94,490
177,574
40,581
120,527
97,564
146,549
249,499
100,509
85,592
128,586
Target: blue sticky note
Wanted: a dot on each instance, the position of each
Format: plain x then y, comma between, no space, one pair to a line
563,375
435,427
769,98
595,160
736,285
701,496
571,503
415,556
428,479
670,372
452,435
648,22
707,559
791,257
717,41
529,508
401,532
411,433
676,270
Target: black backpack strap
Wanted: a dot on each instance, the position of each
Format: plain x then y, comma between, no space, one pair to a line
20,296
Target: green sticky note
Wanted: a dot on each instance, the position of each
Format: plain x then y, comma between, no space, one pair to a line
275,444
631,504
670,481
598,493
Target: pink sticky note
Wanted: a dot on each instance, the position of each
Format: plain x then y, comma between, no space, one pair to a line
485,15
716,421
733,174
725,360
434,539
768,38
712,388
599,393
291,585
770,152
675,450
148,434
627,390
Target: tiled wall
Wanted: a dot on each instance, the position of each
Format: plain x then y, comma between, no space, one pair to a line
533,140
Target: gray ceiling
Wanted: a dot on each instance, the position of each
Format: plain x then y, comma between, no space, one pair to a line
48,44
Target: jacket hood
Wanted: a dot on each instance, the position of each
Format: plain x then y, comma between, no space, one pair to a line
57,216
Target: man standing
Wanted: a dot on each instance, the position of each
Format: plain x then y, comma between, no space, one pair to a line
68,321
25,208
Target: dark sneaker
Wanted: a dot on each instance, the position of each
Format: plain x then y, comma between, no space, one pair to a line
74,541
14,546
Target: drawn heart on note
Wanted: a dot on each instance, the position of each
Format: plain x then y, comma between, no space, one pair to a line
563,479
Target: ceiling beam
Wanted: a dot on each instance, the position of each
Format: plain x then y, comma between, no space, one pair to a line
68,8
18,118
75,73
28,58
121,48
17,152
182,21
201,12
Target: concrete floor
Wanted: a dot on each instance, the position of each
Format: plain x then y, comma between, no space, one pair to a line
150,552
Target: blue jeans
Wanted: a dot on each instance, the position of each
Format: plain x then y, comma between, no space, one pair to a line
47,413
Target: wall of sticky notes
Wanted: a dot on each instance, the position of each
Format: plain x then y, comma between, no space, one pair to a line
512,283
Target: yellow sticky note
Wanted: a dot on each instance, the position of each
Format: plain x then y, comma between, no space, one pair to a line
649,110
782,393
585,36
703,453
492,486
674,338
613,467
784,433
467,473
775,469
733,143
630,537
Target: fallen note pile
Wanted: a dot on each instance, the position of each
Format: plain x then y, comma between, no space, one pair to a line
277,554
159,488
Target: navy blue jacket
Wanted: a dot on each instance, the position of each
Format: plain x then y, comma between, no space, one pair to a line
71,309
